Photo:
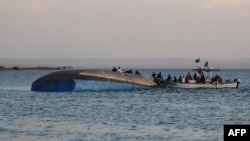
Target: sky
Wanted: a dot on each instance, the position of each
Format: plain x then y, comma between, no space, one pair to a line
69,29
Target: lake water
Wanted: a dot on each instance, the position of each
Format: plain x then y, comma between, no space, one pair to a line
152,114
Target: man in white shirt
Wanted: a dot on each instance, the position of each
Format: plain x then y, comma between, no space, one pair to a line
120,69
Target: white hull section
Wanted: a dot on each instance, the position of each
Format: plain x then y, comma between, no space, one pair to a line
171,84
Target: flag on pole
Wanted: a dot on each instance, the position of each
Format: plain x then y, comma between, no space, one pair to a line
197,60
206,64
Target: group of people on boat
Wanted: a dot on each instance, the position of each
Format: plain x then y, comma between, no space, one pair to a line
119,69
198,77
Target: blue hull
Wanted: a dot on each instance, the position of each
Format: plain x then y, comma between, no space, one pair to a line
83,85
102,85
54,85
90,80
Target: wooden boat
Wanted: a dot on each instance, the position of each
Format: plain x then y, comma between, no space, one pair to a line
172,84
200,81
77,80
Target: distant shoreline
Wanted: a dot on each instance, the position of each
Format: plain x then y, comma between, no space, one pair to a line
36,68
146,63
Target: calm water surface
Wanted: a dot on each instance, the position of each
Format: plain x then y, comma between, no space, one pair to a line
153,114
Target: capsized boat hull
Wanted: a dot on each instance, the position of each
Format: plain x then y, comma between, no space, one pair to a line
77,80
171,84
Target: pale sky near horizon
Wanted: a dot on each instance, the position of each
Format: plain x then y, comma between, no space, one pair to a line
215,29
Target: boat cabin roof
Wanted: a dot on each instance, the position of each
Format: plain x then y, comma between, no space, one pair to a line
206,69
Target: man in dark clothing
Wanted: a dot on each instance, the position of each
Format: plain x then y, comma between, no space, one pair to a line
114,69
202,78
180,79
153,74
195,76
159,75
169,77
137,72
175,79
129,71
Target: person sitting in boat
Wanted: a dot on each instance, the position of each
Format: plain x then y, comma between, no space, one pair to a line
114,69
175,79
120,69
214,79
189,76
137,72
194,76
187,79
183,79
159,75
180,79
153,75
169,77
198,79
219,79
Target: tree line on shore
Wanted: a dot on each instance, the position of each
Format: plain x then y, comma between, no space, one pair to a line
36,68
